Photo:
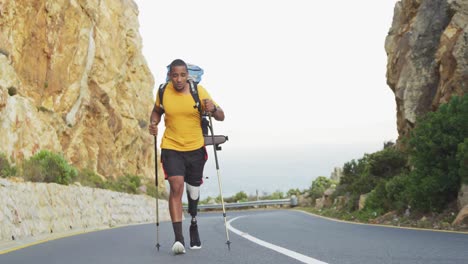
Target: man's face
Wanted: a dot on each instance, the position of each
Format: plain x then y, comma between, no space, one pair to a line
179,76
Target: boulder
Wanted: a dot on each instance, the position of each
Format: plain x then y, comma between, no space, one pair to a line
462,217
362,200
463,196
340,202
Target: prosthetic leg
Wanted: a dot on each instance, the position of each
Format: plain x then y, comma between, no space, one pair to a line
193,196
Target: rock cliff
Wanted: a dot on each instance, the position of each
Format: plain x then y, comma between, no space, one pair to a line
427,48
73,80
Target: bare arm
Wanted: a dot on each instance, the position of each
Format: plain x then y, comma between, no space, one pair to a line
218,114
155,118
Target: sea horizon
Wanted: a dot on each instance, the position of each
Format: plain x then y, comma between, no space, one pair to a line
268,170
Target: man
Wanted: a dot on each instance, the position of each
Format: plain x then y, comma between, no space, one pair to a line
183,154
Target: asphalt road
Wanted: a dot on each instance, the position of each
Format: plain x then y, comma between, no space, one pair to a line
280,236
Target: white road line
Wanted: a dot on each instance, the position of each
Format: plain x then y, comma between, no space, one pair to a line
284,251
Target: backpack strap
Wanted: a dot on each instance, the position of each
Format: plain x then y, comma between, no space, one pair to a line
161,90
196,97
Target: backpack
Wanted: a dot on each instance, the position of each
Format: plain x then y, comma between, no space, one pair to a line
195,74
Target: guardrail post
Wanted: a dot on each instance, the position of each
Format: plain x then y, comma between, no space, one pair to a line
293,200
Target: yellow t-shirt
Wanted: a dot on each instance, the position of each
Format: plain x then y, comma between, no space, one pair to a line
182,120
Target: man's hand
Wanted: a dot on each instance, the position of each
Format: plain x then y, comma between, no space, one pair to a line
216,112
153,129
209,106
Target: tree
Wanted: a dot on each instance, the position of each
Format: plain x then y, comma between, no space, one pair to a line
240,197
277,195
387,163
319,186
292,192
433,146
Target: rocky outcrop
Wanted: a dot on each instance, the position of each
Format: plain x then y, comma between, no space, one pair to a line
30,210
462,217
340,202
326,200
463,196
336,174
304,200
427,48
73,80
319,203
362,200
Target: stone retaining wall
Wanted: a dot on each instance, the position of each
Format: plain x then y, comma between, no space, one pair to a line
36,209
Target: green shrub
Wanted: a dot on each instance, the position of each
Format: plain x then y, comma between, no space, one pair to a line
232,199
396,191
88,177
149,186
6,170
366,214
127,183
363,184
292,192
240,197
377,200
46,166
318,187
435,179
274,196
387,163
363,175
352,170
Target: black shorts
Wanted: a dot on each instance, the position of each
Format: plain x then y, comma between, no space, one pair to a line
189,164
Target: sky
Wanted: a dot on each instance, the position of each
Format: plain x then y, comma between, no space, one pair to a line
302,83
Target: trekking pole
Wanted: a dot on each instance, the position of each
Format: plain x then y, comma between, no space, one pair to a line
219,182
157,190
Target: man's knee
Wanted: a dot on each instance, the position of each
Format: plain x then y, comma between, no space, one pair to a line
176,184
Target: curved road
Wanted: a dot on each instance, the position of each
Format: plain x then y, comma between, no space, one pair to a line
280,236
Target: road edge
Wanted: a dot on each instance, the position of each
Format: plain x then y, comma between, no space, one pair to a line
380,225
11,246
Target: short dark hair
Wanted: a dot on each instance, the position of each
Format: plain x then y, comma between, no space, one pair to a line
177,62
